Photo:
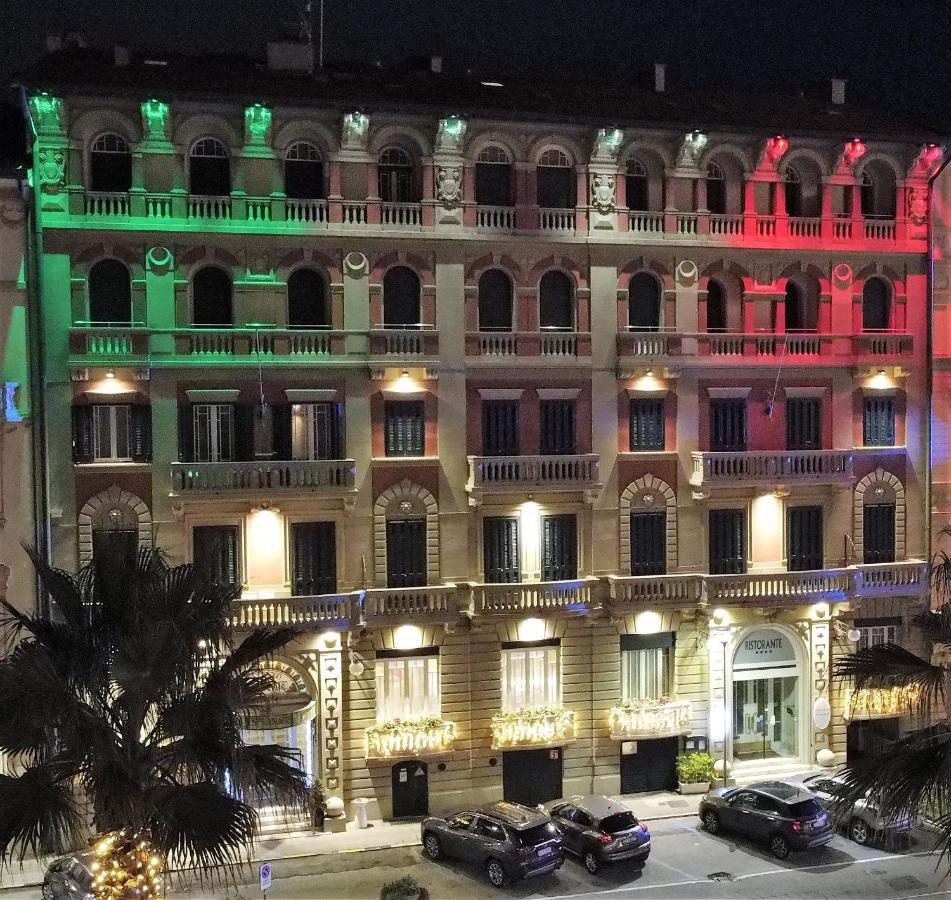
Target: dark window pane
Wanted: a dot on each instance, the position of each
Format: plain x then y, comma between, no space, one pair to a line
406,552
315,558
555,187
556,302
728,425
401,293
215,548
209,176
211,298
404,428
649,542
878,532
110,293
643,302
874,305
304,179
500,551
727,538
493,184
647,424
559,548
716,307
803,423
110,171
495,301
500,428
307,300
804,538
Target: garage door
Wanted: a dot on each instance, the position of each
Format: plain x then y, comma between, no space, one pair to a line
532,776
652,768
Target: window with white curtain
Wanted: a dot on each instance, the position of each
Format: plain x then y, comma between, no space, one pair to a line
873,635
645,674
407,687
531,676
314,430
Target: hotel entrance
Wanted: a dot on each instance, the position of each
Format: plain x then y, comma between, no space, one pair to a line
766,697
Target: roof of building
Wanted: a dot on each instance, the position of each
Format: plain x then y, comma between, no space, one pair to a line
244,80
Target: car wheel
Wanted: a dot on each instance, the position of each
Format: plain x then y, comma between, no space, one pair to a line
711,821
859,831
47,891
591,861
495,873
432,846
779,846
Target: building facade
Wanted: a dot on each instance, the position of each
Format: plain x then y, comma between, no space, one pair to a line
569,442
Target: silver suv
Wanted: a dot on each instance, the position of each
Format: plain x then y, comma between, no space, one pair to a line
862,820
601,830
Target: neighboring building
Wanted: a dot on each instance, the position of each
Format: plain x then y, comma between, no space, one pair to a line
533,416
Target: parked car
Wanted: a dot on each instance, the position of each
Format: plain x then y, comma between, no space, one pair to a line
600,830
863,820
69,878
786,816
507,841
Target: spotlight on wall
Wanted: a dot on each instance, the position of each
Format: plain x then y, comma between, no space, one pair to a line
853,634
110,373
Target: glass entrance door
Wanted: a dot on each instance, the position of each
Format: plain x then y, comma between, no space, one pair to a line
766,717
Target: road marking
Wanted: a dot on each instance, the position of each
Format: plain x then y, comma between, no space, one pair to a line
659,862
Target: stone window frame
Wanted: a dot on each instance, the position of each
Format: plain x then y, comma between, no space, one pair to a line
112,496
405,490
883,478
637,487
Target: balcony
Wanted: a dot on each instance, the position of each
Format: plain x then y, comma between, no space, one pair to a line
633,720
769,468
495,218
518,474
424,737
324,611
110,343
420,605
299,476
542,598
421,342
528,348
891,579
631,593
401,215
778,588
545,726
557,221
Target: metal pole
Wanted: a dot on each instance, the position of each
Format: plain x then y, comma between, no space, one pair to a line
726,718
320,51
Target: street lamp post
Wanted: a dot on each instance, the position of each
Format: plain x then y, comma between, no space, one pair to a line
724,639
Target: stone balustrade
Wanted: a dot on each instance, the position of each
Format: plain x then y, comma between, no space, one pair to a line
419,604
549,472
769,467
536,597
322,610
200,479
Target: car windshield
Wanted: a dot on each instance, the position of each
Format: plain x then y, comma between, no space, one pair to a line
622,821
805,808
538,834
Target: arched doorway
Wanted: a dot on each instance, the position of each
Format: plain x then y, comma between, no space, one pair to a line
767,705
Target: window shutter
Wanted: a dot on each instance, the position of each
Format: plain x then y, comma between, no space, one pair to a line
804,538
649,542
406,552
559,548
82,434
186,438
879,422
404,428
500,551
803,423
281,432
727,541
647,424
557,426
500,428
141,421
728,425
244,425
878,533
315,563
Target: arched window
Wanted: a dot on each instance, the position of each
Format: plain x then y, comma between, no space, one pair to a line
802,184
793,187
875,305
716,189
209,168
211,298
638,185
716,306
401,298
643,303
554,180
493,177
556,307
878,191
495,301
802,306
396,178
110,293
110,164
303,172
307,300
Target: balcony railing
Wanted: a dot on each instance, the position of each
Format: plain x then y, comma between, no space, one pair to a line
880,229
311,212
633,720
401,215
726,225
809,227
422,340
109,341
644,223
299,475
883,344
209,208
495,218
322,610
409,737
629,591
891,579
494,343
418,604
647,343
542,597
533,727
768,467
779,587
99,203
559,220
554,472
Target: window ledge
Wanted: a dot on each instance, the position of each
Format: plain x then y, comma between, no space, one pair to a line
647,454
113,466
404,460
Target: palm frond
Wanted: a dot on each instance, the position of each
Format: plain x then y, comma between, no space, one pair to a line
271,773
891,666
37,813
936,624
940,569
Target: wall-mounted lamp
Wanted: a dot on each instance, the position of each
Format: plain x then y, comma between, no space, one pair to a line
110,373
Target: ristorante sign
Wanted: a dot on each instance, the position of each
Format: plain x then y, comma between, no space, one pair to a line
763,649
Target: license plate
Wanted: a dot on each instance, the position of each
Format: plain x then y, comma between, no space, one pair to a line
817,823
544,851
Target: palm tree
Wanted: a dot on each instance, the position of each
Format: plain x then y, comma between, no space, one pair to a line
129,700
913,774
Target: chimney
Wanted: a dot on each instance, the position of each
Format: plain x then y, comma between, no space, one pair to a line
435,64
660,77
838,91
120,55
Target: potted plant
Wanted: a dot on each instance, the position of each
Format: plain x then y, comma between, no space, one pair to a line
317,804
695,772
405,888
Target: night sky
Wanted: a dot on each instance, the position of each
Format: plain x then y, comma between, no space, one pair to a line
883,45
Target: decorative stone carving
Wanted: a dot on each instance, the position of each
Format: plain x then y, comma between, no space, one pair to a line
688,157
687,272
917,201
852,152
451,134
158,260
842,275
356,131
47,113
356,265
155,120
449,186
602,193
12,214
607,144
52,170
927,160
257,124
773,151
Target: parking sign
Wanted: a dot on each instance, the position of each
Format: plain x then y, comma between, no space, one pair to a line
265,877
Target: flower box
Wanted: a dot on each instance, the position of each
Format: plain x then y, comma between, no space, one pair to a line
693,787
409,737
642,719
539,726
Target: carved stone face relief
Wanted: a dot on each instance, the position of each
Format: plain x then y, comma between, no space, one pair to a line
918,205
449,185
52,170
602,193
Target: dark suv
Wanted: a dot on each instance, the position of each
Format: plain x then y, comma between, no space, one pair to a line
786,816
506,840
601,830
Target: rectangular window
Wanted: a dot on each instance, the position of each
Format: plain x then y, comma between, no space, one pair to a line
804,538
559,548
112,433
531,677
213,429
647,424
803,423
728,425
407,688
315,558
216,547
500,556
405,553
500,428
878,533
315,431
405,428
111,428
649,542
557,426
727,541
879,422
873,635
645,670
